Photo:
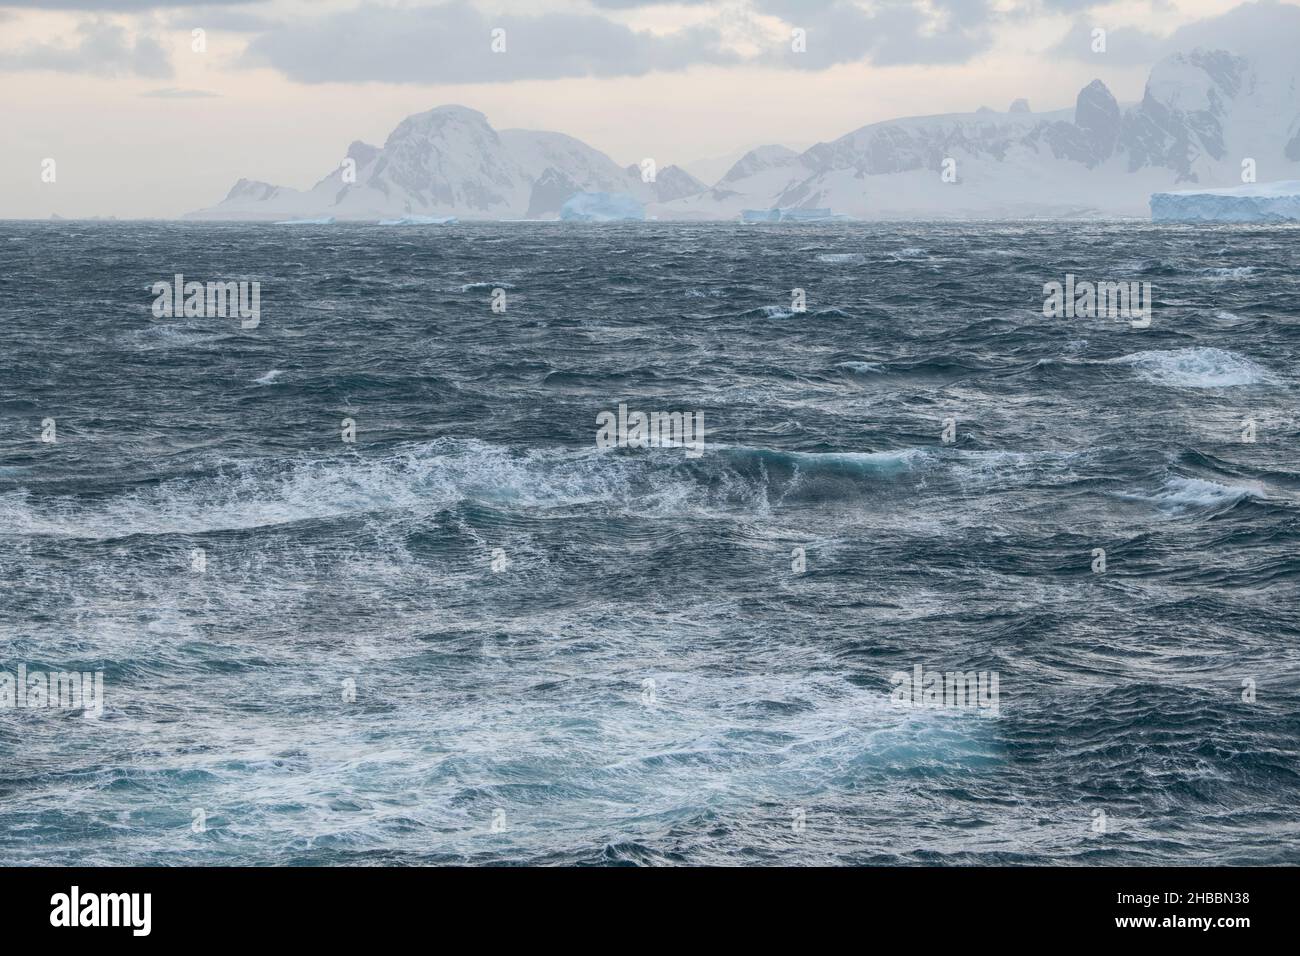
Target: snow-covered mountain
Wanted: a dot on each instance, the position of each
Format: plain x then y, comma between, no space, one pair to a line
450,162
1203,113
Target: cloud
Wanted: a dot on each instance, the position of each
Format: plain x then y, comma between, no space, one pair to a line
1125,46
1264,28
451,43
1070,6
631,4
103,49
175,93
119,6
890,33
229,19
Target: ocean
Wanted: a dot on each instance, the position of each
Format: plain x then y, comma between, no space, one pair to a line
366,583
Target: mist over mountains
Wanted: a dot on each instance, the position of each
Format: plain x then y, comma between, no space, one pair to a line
1204,112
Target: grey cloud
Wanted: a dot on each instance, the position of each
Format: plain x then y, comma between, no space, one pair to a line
890,33
230,19
102,49
1263,27
1125,46
451,44
630,4
119,6
1066,6
175,93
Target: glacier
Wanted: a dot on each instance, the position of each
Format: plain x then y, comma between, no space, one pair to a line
1254,202
601,207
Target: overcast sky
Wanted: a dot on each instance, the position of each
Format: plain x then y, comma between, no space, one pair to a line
141,123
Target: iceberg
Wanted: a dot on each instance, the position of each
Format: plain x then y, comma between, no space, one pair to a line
786,215
602,207
1254,202
805,215
420,221
322,221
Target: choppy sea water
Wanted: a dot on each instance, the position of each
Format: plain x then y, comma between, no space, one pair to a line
643,676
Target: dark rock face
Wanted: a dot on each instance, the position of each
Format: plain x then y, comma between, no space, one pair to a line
251,189
549,193
1097,114
764,157
363,153
671,182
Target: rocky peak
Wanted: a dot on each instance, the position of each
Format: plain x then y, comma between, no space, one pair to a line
1097,113
362,153
251,189
760,158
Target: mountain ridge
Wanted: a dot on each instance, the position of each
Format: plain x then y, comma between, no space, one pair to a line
1204,112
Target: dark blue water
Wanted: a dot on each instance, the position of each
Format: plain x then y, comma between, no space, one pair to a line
641,675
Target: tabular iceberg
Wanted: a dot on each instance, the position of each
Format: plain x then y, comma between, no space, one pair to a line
786,215
602,207
420,221
1255,202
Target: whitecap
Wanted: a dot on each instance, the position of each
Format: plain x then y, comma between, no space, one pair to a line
860,368
1179,492
1196,368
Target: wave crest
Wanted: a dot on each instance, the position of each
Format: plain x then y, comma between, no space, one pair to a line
1197,368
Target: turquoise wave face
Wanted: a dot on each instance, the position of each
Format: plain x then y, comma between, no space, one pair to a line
950,582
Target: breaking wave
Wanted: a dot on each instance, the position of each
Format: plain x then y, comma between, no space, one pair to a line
1197,368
